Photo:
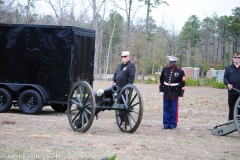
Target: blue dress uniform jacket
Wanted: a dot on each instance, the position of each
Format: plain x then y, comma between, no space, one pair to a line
232,76
124,74
172,82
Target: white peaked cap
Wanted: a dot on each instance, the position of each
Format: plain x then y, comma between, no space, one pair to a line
172,59
125,53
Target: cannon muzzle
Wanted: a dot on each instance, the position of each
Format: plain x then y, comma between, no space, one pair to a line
115,89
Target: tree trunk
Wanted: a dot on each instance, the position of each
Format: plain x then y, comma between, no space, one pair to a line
110,44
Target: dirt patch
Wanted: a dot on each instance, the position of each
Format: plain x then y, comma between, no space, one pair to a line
49,135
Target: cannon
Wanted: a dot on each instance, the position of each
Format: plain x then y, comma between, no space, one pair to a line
229,126
84,105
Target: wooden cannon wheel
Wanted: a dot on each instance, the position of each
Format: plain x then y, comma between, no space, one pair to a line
129,118
81,107
236,115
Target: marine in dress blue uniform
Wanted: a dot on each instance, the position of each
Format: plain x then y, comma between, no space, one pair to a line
171,86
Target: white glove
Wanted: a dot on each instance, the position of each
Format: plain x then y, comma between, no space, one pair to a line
162,93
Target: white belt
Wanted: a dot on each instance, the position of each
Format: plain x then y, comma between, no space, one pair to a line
171,84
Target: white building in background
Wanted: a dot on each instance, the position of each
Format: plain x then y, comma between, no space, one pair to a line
191,72
215,73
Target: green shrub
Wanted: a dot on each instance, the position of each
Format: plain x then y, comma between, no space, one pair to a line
209,82
219,84
112,157
192,82
149,81
156,80
137,81
212,82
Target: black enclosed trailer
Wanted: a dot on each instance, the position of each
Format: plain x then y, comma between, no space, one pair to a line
40,63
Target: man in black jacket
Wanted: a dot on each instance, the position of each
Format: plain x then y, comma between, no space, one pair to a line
125,72
232,80
171,86
124,75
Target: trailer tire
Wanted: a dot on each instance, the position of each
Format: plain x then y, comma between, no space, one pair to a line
59,107
30,102
5,100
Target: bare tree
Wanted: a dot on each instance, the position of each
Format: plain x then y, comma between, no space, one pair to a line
110,43
149,6
61,9
28,11
96,18
82,17
130,7
6,7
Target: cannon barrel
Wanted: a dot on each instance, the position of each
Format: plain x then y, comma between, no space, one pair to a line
106,95
108,91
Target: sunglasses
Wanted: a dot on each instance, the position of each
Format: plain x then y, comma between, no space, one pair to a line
237,57
124,56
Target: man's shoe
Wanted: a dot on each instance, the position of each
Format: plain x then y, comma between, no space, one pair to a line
173,128
165,127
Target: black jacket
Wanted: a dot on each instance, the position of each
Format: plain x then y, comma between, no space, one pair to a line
124,74
173,75
232,76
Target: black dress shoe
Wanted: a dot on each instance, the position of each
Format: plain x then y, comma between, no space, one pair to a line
165,128
173,128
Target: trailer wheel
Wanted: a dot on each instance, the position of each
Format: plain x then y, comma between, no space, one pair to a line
59,107
129,119
81,107
5,100
30,102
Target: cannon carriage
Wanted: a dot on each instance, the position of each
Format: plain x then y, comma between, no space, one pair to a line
42,65
229,126
84,105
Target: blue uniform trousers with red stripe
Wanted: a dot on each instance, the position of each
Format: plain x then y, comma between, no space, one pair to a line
170,113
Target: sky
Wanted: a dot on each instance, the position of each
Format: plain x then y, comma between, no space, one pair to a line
174,15
177,13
